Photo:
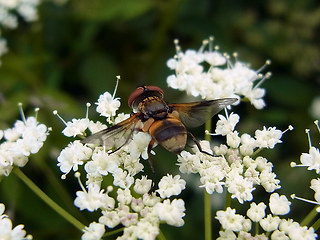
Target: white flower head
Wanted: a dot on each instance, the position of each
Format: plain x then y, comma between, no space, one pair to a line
93,199
270,223
226,125
256,212
229,220
142,185
171,212
169,186
72,156
76,127
122,178
239,187
188,163
279,205
107,105
95,231
315,186
268,138
6,229
311,159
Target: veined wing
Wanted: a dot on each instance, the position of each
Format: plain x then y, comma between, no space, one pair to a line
115,136
195,114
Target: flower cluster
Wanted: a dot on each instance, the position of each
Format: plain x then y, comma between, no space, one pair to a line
25,138
128,201
236,166
236,226
220,79
311,160
6,231
10,11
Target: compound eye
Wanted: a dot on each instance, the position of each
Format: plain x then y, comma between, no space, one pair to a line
142,90
133,96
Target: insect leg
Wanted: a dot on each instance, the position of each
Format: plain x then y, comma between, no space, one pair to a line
198,145
150,160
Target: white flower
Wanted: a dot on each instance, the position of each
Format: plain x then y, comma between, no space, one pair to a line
188,163
268,138
279,235
214,58
122,178
311,159
295,231
6,230
107,105
255,96
25,138
239,187
172,213
76,127
146,230
95,231
211,176
227,235
139,145
256,212
72,156
270,223
169,186
233,139
315,186
110,218
269,181
248,143
102,163
279,205
124,196
93,199
142,185
229,220
227,80
226,125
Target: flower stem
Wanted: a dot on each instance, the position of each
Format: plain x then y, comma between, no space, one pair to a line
307,220
161,236
228,200
47,199
207,216
207,198
316,225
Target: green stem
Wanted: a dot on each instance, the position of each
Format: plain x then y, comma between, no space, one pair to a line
307,220
161,236
207,216
228,200
316,225
257,228
207,199
47,199
113,232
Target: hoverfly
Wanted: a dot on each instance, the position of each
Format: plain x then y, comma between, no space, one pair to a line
166,123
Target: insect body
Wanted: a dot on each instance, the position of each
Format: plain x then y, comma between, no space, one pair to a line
166,123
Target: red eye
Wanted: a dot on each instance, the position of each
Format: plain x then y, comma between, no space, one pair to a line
136,93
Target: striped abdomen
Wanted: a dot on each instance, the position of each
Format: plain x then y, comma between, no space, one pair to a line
169,133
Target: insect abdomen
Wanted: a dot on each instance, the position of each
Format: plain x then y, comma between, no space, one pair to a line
169,133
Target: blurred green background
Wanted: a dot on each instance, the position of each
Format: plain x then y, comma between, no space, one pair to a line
73,53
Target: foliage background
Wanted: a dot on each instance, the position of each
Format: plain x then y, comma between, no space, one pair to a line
73,53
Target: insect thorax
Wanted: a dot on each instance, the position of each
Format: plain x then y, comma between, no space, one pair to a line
154,107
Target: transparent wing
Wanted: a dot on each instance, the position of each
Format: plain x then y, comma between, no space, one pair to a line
115,136
195,114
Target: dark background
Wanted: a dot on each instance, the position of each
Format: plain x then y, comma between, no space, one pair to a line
73,53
